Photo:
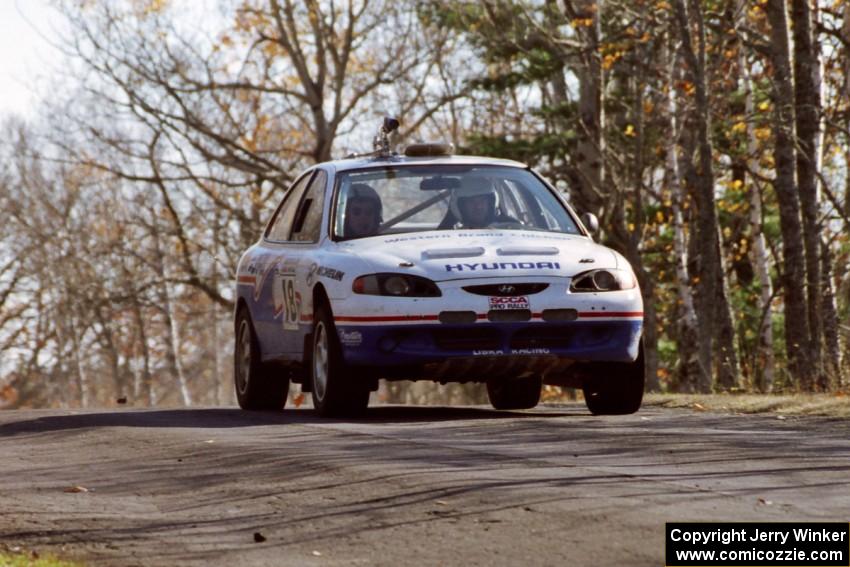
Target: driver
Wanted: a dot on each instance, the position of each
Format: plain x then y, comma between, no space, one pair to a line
475,204
363,211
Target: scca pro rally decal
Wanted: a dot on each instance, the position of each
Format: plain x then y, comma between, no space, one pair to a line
503,266
516,302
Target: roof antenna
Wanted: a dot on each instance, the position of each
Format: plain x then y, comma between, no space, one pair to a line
381,143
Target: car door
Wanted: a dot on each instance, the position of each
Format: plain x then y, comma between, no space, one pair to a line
307,233
294,253
268,290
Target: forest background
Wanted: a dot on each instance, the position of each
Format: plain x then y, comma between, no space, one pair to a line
711,137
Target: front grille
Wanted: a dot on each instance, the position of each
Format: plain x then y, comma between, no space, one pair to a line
541,337
467,339
509,315
506,290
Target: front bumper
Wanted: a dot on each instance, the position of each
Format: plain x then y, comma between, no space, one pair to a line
387,345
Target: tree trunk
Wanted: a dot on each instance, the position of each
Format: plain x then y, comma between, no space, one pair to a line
845,35
144,388
711,297
108,338
763,368
172,328
796,316
832,350
807,109
172,332
82,373
689,373
589,160
218,378
727,357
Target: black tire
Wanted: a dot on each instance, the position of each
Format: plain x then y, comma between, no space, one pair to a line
616,388
337,390
258,386
518,394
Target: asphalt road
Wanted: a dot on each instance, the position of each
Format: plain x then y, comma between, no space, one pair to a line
405,486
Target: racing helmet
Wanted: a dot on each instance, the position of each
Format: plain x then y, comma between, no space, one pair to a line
472,186
359,191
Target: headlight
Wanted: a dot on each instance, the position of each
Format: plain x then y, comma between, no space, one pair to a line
397,285
603,280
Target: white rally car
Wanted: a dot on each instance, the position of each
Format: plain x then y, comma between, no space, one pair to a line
438,267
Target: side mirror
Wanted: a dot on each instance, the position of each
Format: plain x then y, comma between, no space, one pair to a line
591,223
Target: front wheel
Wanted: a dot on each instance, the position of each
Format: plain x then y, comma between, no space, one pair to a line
523,393
258,385
616,388
337,389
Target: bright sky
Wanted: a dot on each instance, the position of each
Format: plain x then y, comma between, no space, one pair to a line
26,56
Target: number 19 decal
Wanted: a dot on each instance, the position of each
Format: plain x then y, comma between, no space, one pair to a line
290,315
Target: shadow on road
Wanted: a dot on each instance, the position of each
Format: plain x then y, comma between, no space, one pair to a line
234,418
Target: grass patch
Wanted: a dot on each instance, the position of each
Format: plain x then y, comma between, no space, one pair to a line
33,560
829,405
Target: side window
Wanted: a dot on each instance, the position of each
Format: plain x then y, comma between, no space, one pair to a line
280,226
308,221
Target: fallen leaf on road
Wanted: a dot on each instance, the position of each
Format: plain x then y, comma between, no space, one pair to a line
764,502
259,538
122,400
76,489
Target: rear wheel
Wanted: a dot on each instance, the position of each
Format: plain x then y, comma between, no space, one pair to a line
523,393
258,386
616,388
337,390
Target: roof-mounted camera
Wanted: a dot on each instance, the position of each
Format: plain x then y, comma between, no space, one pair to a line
381,144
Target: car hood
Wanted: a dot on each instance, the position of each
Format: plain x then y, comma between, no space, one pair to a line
445,255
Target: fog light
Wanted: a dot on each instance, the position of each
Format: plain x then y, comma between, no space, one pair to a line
458,317
560,314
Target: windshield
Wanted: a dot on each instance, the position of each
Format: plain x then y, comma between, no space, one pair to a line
400,199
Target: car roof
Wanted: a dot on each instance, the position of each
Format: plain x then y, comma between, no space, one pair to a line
397,160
